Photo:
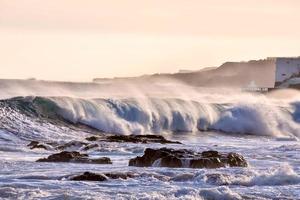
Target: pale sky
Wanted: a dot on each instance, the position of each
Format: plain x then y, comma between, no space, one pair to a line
78,40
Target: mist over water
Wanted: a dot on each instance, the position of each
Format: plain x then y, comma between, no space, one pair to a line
264,128
140,107
180,131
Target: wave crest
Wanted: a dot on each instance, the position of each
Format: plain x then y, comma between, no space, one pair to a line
155,115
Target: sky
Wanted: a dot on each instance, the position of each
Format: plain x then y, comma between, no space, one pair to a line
78,40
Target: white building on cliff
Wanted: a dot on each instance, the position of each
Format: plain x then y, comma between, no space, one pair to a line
286,68
273,72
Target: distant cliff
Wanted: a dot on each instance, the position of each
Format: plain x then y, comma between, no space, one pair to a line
229,74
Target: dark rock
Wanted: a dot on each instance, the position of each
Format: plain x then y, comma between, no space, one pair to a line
74,145
133,139
119,175
165,157
36,145
140,139
102,160
39,146
64,156
151,155
77,144
75,157
236,160
92,138
210,154
53,144
90,146
212,162
88,176
170,161
33,143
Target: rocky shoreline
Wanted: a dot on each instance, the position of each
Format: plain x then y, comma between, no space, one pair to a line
183,158
152,157
74,157
93,142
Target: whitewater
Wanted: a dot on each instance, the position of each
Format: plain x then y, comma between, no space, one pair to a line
264,128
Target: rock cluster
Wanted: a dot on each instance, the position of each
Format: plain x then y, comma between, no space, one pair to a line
133,139
69,146
166,157
92,144
89,176
72,144
74,157
36,145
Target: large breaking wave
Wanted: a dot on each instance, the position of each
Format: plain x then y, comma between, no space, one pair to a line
157,115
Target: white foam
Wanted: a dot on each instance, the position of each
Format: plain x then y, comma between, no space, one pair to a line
281,175
140,116
220,193
275,176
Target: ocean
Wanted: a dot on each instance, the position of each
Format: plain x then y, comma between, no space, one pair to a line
263,128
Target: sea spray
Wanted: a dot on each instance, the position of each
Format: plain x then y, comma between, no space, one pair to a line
157,115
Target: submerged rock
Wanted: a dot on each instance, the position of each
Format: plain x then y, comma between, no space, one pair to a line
165,157
64,156
236,160
132,139
69,146
75,157
88,176
211,162
37,145
102,160
72,144
33,143
140,139
118,175
210,153
92,138
90,146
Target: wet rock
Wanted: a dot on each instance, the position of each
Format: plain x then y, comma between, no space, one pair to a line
166,157
212,162
92,138
102,160
210,154
53,144
170,161
140,139
33,143
119,175
132,139
72,144
69,146
88,176
39,146
64,156
75,157
36,145
236,160
90,146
